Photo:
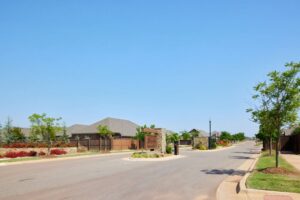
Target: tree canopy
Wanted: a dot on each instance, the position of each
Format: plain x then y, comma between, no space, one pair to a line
278,101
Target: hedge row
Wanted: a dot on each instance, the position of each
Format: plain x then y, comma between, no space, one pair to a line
36,145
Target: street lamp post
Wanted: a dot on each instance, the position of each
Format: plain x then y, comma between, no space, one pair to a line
209,146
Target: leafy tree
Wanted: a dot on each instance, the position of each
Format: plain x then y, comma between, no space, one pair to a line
225,136
64,137
140,134
104,132
17,135
262,115
296,131
172,137
1,134
195,133
185,135
281,94
44,127
238,137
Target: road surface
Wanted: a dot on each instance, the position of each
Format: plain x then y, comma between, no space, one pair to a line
196,176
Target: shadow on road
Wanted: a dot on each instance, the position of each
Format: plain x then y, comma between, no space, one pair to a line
245,152
224,171
241,157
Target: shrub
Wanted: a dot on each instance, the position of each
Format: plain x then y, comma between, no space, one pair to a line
42,153
13,154
223,143
202,147
145,155
168,149
32,153
213,144
57,152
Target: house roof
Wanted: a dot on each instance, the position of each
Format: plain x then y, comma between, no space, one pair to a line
124,127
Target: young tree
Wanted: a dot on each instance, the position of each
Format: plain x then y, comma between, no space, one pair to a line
7,131
17,135
195,133
44,126
64,137
172,137
104,132
1,134
185,135
282,95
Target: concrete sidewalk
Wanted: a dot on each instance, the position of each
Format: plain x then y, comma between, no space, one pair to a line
234,187
292,159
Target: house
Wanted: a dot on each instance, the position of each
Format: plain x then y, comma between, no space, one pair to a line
119,127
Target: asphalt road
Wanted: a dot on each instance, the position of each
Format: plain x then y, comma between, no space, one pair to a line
196,176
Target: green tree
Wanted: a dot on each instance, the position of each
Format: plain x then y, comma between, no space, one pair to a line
282,95
185,135
195,133
64,137
105,133
17,135
1,139
225,136
44,127
172,137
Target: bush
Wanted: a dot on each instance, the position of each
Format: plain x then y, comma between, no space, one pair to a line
32,153
223,143
213,144
42,153
57,152
202,147
13,154
36,145
169,149
145,155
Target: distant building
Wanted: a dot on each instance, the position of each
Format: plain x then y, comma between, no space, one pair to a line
119,127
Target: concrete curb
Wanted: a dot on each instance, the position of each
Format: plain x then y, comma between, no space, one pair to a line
233,182
61,159
241,192
153,159
255,192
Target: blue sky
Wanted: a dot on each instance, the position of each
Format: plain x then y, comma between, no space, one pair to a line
170,63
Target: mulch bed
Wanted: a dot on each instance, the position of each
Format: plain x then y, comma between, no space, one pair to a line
279,170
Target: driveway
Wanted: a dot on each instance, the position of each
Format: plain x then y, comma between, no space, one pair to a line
196,176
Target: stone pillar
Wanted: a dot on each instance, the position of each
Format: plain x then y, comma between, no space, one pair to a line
162,142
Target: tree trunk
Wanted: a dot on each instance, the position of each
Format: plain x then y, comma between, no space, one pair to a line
270,145
277,153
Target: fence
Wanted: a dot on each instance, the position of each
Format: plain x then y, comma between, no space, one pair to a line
107,144
185,142
290,143
287,143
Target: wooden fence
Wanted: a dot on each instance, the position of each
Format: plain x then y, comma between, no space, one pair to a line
107,144
287,143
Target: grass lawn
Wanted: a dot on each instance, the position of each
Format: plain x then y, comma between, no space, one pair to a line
288,181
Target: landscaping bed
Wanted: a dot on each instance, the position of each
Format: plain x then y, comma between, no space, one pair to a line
148,155
285,178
